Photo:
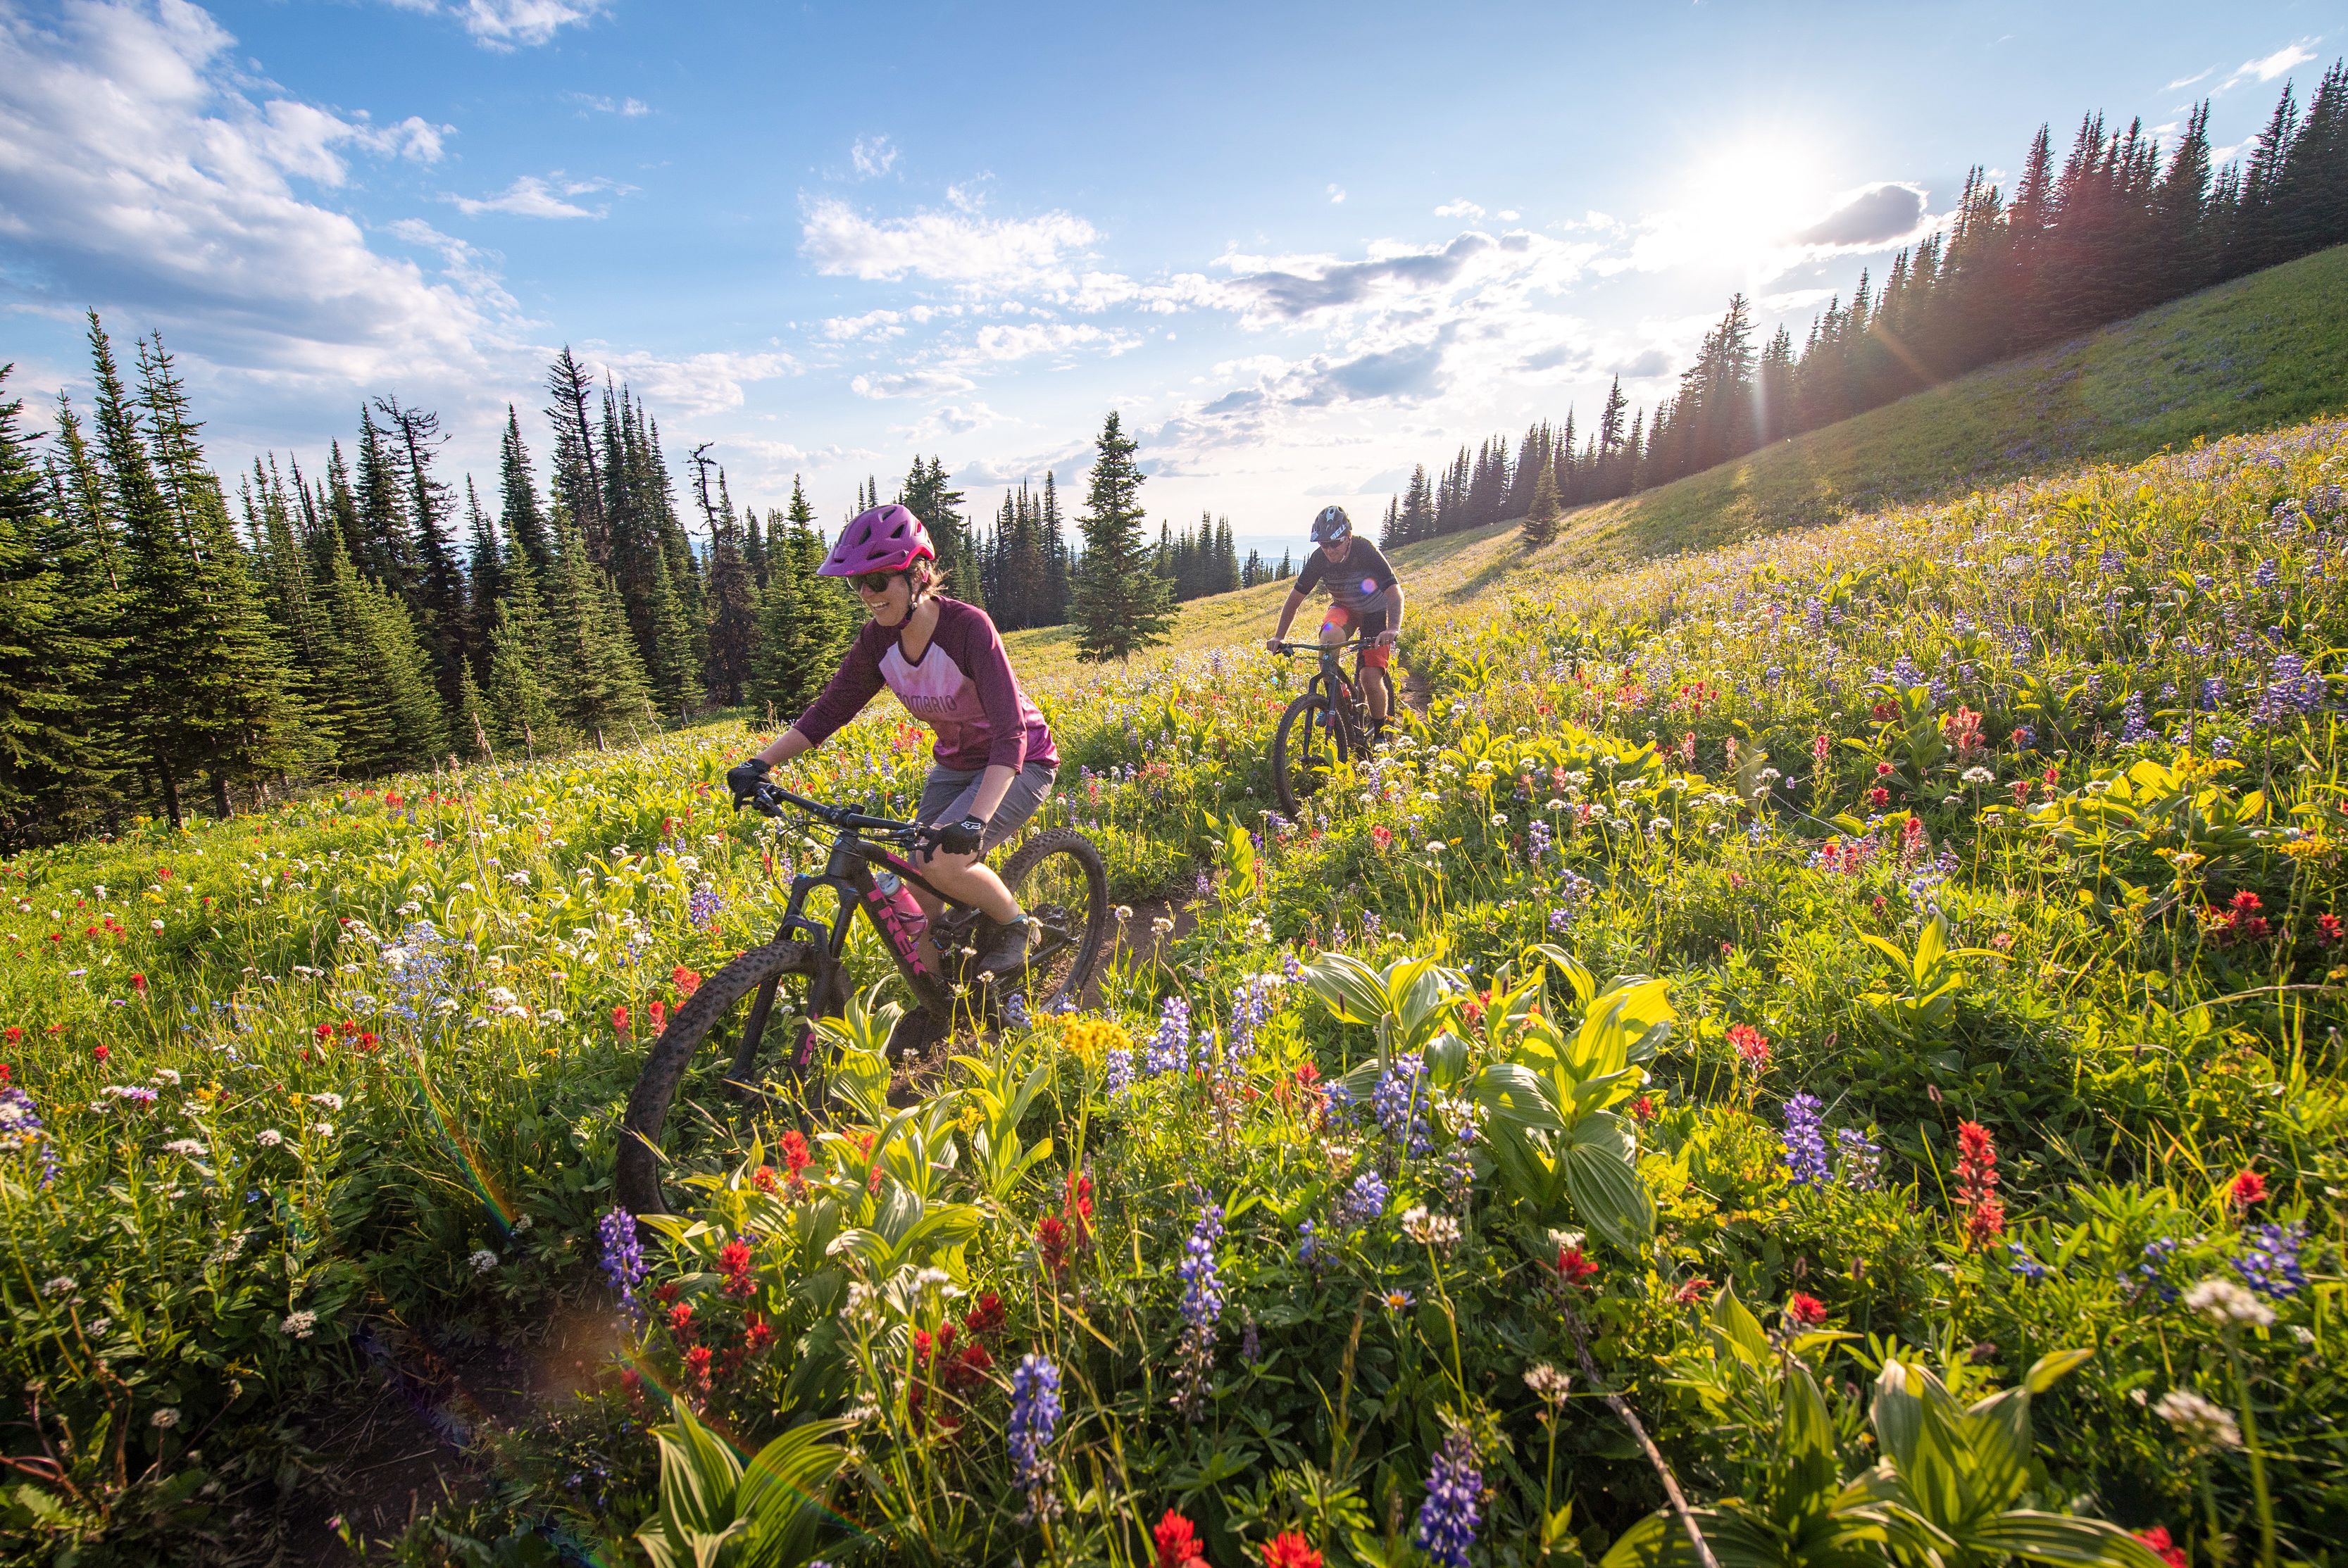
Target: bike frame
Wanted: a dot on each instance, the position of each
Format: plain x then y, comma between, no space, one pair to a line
849,871
1337,688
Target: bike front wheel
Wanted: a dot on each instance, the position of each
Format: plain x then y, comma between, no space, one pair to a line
1305,750
1061,881
762,1008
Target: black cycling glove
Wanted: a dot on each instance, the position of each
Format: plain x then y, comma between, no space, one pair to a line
744,779
962,837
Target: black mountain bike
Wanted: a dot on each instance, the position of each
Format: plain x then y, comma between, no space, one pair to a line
1329,724
766,1003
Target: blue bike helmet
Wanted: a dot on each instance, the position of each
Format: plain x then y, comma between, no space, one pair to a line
1332,523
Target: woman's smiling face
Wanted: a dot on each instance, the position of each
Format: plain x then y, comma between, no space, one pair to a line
888,605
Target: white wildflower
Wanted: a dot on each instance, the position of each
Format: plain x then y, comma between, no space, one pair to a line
331,1101
98,1327
298,1325
1978,775
1548,1385
167,1418
268,1137
483,1261
2223,1301
186,1148
170,1075
1430,1229
2199,1421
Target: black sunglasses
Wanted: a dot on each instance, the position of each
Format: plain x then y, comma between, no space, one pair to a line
874,581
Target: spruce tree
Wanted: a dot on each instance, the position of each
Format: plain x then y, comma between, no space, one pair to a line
1120,602
521,692
602,687
805,621
437,590
55,764
377,683
674,669
578,479
1541,519
524,521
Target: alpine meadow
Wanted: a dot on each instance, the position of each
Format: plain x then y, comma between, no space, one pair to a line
1810,1035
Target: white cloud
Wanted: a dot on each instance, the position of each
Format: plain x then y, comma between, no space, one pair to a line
696,383
1507,214
953,419
1796,299
1336,195
1020,341
873,156
911,384
137,175
2202,74
503,24
1462,207
532,197
626,108
960,246
2267,68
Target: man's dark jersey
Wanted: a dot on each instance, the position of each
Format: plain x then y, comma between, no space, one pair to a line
1360,585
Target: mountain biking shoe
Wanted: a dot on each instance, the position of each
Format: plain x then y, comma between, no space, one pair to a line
915,1033
1003,949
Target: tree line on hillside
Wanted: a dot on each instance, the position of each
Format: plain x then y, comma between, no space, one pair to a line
160,647
2115,230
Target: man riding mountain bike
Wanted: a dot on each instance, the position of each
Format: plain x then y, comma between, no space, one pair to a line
1365,601
993,762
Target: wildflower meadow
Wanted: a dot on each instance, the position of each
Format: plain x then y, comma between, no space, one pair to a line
1820,1051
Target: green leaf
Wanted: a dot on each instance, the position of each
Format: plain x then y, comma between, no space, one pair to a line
2059,1538
1603,1179
698,1478
2051,1367
1739,1327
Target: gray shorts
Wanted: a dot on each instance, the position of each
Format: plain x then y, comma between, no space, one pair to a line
948,794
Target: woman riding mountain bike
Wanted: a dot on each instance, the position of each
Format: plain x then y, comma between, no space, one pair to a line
993,762
1365,600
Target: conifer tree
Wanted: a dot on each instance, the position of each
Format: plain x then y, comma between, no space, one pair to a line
578,481
1120,603
524,677
1540,517
384,547
485,581
805,621
524,521
674,669
55,764
601,688
375,684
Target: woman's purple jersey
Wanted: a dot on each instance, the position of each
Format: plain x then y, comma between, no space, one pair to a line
962,687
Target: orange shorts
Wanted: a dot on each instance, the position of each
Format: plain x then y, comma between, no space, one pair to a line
1374,653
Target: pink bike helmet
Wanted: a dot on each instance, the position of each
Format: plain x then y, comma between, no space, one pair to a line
886,539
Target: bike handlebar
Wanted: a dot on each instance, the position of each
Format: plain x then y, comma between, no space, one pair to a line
1315,645
768,799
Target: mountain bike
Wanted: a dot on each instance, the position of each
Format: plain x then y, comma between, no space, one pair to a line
1329,724
764,1005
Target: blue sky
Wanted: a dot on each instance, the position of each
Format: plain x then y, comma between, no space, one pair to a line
1300,246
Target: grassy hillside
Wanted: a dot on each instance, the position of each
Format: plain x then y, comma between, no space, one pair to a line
2266,350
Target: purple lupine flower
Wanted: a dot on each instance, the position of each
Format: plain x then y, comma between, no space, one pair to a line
1536,840
1447,1519
1034,1416
2267,576
2269,1261
1290,969
624,1254
1203,1285
2025,737
1363,1201
21,1130
702,908
1398,1104
2029,1267
1168,1050
1117,1072
2134,731
2213,693
1308,1244
2152,1267
1250,1343
1862,1159
1905,674
1805,1144
1251,1011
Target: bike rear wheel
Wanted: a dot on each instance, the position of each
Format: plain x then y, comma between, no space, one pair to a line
764,1005
1061,881
1305,749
